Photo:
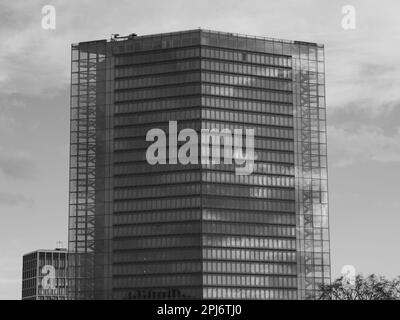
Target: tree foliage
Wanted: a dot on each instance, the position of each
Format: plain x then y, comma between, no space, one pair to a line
372,287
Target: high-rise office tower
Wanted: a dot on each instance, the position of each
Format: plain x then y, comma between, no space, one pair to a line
44,275
200,230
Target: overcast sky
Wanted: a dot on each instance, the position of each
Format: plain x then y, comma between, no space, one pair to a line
363,99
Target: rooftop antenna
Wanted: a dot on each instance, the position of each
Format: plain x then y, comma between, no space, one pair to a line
114,36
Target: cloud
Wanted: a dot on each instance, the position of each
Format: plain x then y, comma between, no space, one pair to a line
9,104
370,86
11,101
12,200
366,143
7,125
16,164
374,69
356,114
34,60
362,65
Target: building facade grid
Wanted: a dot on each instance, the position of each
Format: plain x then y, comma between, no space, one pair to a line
198,230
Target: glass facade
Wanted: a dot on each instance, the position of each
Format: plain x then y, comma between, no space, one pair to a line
311,169
90,189
174,231
42,268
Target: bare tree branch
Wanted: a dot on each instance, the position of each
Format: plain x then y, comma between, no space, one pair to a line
372,287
